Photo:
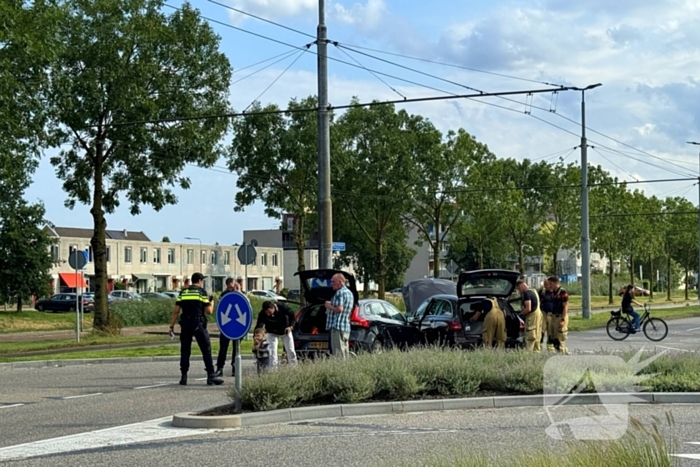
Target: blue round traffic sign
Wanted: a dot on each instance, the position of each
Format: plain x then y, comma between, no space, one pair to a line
234,315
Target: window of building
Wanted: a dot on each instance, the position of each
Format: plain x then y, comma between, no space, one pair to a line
127,254
171,255
54,252
214,258
203,257
263,259
91,256
156,255
144,255
227,258
109,254
274,259
190,256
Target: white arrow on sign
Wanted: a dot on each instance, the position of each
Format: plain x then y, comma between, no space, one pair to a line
225,319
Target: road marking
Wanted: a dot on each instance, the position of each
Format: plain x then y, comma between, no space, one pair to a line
672,348
11,405
154,386
152,430
82,395
687,456
694,329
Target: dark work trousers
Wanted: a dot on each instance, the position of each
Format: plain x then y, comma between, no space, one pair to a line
196,329
223,349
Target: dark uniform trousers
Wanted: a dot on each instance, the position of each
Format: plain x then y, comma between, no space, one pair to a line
223,350
196,328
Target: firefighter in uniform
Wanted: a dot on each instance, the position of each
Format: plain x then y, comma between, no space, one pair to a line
547,306
494,323
533,317
195,305
560,315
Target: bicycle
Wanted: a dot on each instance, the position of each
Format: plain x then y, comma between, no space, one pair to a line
620,327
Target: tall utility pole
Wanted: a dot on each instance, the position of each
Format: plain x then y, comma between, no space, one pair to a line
697,282
585,240
325,209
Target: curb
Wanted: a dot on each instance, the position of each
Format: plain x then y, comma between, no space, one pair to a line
91,361
192,420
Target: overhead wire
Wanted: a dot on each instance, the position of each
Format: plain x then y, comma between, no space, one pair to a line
667,169
371,72
614,164
286,56
253,65
260,18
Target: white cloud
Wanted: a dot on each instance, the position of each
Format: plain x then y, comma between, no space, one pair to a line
272,9
362,15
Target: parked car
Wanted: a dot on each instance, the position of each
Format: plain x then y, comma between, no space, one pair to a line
124,295
172,294
473,288
416,292
154,296
294,294
437,318
267,295
374,324
64,302
638,291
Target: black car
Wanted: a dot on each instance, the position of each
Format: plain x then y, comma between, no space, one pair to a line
374,324
64,302
437,318
475,286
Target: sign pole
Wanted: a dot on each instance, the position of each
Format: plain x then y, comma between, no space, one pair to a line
77,308
239,376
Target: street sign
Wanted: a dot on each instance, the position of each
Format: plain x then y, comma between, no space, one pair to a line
234,315
338,246
247,253
452,267
316,282
79,260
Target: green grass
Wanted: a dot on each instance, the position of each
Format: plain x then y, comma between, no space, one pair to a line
600,301
641,446
85,341
31,320
438,373
599,320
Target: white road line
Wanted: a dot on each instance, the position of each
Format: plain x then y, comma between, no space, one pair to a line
83,395
694,329
672,348
200,379
152,430
687,456
154,386
11,405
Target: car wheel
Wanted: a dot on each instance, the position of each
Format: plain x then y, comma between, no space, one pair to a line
39,308
377,346
71,309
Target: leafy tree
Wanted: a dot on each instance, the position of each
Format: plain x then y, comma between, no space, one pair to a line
375,170
127,61
166,239
275,158
682,237
436,202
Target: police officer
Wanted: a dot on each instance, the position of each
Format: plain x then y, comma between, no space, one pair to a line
560,314
224,341
494,323
547,306
533,317
195,305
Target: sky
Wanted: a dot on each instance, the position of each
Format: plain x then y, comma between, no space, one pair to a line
646,53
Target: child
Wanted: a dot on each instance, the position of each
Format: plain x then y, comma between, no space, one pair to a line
261,349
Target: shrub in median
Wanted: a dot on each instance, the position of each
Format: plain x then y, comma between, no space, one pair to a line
433,372
143,313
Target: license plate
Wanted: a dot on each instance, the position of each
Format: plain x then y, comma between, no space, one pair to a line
319,345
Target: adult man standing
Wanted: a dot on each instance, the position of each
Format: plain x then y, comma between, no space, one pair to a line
547,306
224,341
494,322
560,314
533,317
195,305
278,320
338,316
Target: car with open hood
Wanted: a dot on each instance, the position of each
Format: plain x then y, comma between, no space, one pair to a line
473,288
374,324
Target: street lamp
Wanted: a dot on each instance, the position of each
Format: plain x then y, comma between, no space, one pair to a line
697,282
585,241
200,251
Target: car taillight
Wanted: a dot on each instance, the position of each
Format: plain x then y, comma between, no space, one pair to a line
357,320
522,325
454,326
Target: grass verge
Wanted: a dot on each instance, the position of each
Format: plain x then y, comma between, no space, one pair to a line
642,446
437,373
85,341
599,320
30,320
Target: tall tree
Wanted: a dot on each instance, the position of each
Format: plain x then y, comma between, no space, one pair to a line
436,202
375,170
275,158
682,236
127,61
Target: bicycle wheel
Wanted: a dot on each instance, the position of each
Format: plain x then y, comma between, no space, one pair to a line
618,328
655,327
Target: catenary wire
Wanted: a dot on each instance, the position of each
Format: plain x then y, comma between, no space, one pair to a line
275,80
260,18
614,151
614,164
253,65
286,56
371,72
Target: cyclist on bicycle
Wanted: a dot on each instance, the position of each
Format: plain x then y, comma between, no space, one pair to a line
627,301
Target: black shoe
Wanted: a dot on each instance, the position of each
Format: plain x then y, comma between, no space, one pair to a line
212,379
219,373
233,372
183,380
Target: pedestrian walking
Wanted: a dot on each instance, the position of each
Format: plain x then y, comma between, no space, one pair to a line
338,316
560,314
261,350
195,305
547,307
533,316
224,341
494,323
278,320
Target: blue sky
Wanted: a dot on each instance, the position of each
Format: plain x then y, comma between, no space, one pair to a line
646,53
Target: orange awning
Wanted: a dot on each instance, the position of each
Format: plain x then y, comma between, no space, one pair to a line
70,280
